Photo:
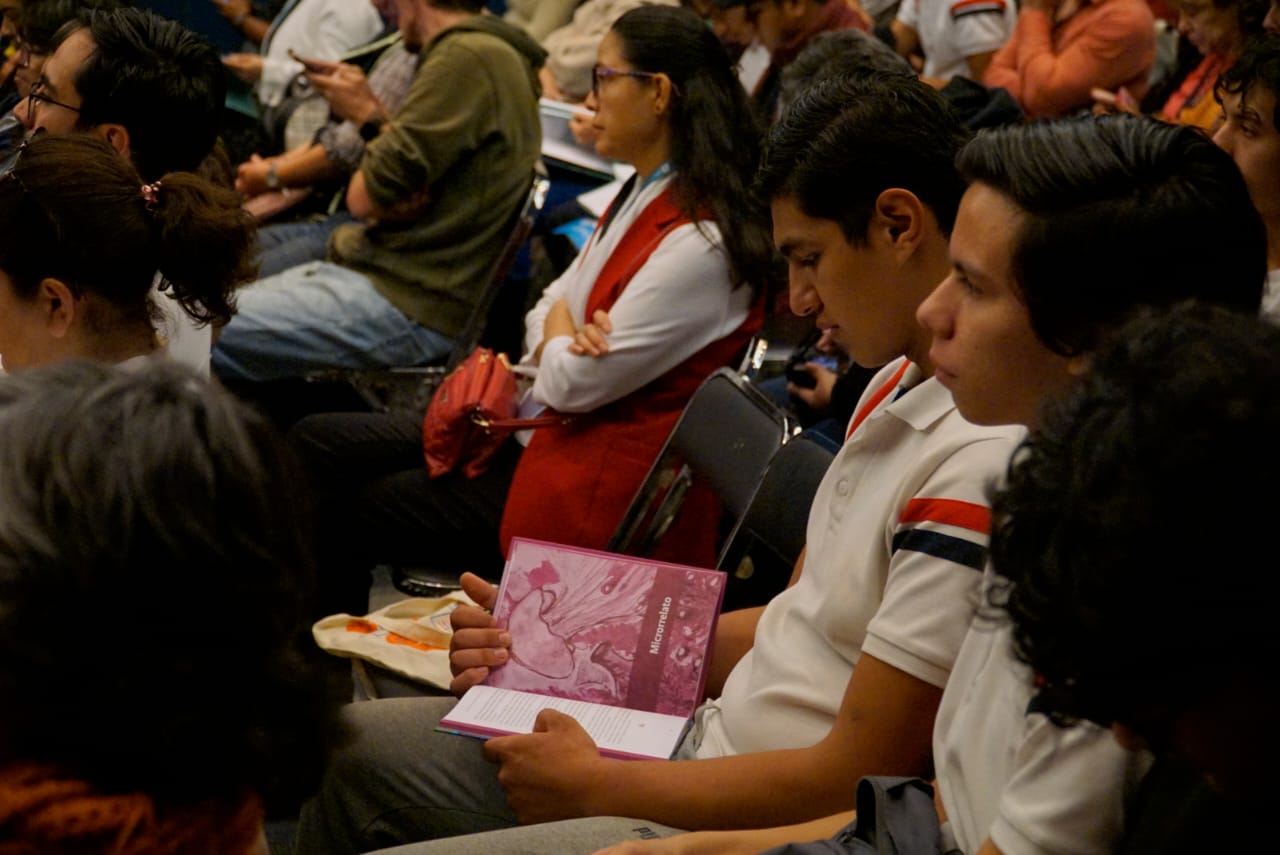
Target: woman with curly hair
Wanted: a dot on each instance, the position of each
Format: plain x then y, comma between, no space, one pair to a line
85,237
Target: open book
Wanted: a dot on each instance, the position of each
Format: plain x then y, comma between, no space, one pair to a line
619,643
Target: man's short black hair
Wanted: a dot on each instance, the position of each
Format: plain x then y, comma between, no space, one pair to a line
1120,212
162,82
846,140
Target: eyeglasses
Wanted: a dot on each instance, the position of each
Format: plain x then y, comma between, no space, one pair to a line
603,72
37,94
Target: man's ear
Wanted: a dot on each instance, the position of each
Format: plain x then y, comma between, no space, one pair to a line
899,217
59,306
116,135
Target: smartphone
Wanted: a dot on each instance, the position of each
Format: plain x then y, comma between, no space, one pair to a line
315,66
799,377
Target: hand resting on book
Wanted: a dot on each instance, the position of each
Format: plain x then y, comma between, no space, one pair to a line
551,773
478,644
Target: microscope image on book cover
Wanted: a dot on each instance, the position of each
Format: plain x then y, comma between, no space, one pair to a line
607,629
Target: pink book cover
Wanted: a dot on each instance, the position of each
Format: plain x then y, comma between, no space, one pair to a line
605,628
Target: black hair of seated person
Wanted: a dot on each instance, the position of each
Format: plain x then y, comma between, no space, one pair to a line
155,582
42,20
158,79
847,139
1258,65
1117,212
843,52
1134,580
715,137
74,211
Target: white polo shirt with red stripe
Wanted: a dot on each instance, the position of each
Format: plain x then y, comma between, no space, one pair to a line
951,30
896,541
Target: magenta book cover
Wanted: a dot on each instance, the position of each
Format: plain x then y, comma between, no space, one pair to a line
607,629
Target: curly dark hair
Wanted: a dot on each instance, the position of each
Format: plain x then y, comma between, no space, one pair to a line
1126,571
155,590
1258,65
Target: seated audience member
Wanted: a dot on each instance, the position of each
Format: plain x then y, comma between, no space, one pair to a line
839,675
356,104
435,193
153,90
149,86
159,691
955,37
1034,291
1219,31
1250,133
571,49
1061,50
663,295
785,28
312,29
1271,23
83,240
731,21
10,11
38,24
1177,414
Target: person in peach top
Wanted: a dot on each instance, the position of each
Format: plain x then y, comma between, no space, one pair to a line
1062,49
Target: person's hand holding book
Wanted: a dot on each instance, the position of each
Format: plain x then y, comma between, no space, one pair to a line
478,644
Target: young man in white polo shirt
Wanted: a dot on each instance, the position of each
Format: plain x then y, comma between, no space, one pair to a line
840,675
1034,290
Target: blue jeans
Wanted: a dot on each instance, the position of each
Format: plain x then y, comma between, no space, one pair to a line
319,315
285,245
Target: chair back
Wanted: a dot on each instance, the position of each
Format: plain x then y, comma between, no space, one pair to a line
762,551
725,438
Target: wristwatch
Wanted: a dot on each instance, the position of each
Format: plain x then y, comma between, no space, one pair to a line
273,178
370,130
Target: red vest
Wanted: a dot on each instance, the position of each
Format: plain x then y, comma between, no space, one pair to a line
574,483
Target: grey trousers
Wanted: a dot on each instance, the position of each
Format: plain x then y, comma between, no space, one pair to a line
399,780
570,837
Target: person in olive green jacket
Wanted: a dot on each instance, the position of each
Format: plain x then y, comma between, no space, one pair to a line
436,189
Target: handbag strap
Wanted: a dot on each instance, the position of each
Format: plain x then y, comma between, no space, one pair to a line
512,425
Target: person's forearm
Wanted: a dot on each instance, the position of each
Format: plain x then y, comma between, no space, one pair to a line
746,791
884,727
755,840
306,166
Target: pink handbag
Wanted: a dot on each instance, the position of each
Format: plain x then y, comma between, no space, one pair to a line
472,413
